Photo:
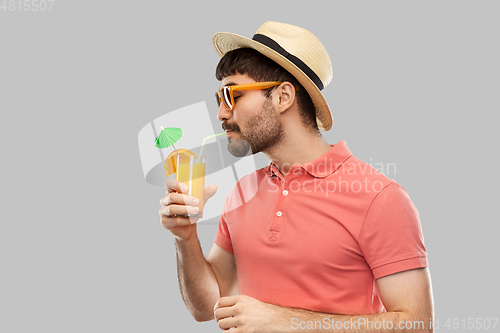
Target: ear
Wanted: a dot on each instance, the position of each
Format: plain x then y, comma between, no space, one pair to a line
285,96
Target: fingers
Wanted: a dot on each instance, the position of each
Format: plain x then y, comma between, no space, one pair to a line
210,191
174,210
176,203
179,199
227,323
224,313
173,185
171,223
174,216
226,301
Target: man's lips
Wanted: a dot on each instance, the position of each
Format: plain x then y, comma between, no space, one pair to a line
230,133
229,129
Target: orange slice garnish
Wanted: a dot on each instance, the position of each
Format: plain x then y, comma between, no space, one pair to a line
171,160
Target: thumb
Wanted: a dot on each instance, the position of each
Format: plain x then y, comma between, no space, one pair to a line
210,191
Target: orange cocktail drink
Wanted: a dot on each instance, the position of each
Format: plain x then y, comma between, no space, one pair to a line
191,171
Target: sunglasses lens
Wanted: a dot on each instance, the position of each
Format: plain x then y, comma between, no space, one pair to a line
226,97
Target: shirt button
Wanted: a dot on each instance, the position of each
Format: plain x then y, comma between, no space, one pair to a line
279,213
285,192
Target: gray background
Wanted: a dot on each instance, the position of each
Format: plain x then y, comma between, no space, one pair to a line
415,83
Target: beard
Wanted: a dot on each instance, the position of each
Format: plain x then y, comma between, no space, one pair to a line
262,131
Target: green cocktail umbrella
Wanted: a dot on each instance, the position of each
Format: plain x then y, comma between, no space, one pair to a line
167,137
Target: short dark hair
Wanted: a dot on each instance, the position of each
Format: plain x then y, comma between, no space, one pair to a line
261,68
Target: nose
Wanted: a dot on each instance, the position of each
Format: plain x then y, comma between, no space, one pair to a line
223,113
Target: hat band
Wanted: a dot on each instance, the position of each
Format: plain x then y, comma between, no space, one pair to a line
271,43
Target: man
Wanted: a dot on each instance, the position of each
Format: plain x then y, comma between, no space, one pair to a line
325,242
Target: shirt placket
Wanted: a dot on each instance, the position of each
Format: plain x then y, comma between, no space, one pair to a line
279,216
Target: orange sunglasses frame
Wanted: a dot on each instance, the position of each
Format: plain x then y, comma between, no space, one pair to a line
246,86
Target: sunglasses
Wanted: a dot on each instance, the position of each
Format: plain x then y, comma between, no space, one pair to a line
225,94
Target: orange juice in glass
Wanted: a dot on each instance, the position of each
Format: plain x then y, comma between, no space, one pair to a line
191,171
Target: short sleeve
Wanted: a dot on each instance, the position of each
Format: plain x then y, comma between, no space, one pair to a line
222,237
391,238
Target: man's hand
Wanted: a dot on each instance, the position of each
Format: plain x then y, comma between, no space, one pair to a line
176,203
245,314
407,297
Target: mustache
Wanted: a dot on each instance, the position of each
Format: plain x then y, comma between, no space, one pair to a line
230,127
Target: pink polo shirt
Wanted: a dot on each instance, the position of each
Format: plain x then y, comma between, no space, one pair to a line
320,237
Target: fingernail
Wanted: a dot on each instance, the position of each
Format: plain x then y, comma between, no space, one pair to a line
196,210
196,201
184,188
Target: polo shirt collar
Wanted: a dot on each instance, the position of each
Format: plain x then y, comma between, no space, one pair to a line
323,166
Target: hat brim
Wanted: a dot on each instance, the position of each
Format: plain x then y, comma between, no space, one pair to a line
227,41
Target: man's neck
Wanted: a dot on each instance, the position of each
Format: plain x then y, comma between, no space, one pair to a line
296,150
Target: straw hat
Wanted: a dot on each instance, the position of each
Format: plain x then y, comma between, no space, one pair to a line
296,50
